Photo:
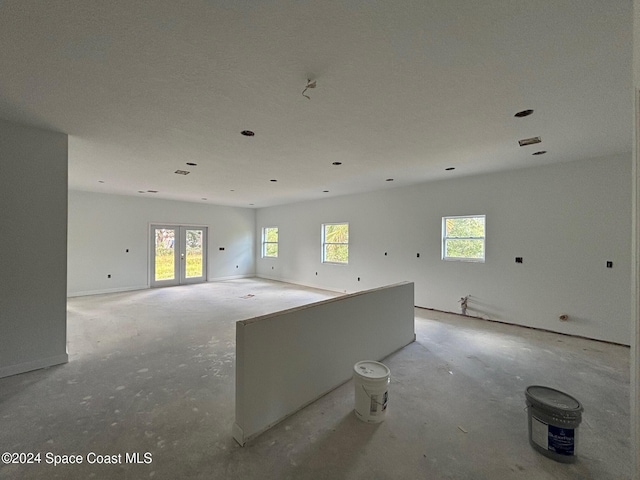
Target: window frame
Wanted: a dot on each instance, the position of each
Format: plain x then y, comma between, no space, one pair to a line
266,243
325,243
445,239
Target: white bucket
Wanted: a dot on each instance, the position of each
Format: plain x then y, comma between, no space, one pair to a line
553,421
371,380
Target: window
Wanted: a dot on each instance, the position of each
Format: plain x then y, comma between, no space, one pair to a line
335,243
463,238
270,242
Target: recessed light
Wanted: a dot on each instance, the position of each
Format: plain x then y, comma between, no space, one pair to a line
191,164
182,172
336,163
389,180
541,152
523,113
448,169
247,133
529,141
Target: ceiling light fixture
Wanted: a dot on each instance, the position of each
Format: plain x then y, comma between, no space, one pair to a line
541,152
274,180
247,133
523,113
336,163
529,141
310,84
191,164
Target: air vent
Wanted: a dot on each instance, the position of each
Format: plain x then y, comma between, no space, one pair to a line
529,141
182,172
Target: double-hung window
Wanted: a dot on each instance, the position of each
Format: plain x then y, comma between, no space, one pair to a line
463,238
270,242
335,243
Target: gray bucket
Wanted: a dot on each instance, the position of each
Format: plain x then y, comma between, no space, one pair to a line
553,421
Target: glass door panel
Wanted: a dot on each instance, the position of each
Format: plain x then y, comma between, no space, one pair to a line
193,254
164,256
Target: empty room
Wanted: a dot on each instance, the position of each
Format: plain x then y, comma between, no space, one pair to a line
214,210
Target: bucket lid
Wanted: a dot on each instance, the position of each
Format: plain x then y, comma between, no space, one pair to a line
550,398
371,369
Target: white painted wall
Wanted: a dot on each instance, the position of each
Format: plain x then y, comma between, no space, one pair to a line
33,235
635,308
286,360
102,227
565,220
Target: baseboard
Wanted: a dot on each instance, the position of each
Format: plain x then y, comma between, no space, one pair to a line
33,365
106,290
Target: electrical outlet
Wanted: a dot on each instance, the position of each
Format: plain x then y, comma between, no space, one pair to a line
518,259
609,264
109,275
417,255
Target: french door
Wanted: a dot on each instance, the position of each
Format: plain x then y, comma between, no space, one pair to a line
178,255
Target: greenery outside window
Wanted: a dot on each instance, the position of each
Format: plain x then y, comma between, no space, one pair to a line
463,238
270,242
335,243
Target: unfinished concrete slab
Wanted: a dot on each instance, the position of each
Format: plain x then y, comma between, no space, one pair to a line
152,372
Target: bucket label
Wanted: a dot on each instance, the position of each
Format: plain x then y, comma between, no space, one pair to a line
555,439
373,409
539,433
561,440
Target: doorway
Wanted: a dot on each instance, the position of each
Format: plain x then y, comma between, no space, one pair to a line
178,255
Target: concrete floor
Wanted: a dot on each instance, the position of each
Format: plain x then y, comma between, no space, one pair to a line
153,371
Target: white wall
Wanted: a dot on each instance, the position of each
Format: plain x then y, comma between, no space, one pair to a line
33,235
102,227
286,360
565,220
635,342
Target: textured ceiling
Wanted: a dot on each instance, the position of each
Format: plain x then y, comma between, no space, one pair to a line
404,90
